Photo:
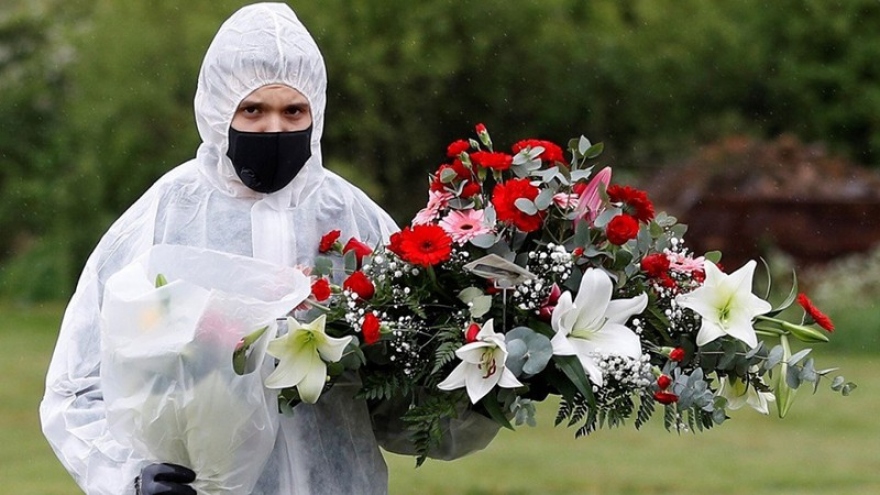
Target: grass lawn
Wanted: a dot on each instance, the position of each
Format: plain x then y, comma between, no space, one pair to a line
827,444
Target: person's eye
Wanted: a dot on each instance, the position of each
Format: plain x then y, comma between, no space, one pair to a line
249,110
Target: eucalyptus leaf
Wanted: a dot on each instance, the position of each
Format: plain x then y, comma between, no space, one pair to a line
447,175
349,261
484,241
713,256
594,150
469,294
605,217
323,266
526,206
774,357
544,199
584,145
581,174
793,378
517,354
798,356
480,306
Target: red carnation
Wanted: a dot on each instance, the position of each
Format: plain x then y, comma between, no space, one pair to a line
470,189
665,397
360,249
480,128
504,198
494,160
635,202
622,228
470,335
321,289
370,328
677,354
664,381
359,284
328,240
423,245
655,265
457,147
819,317
552,152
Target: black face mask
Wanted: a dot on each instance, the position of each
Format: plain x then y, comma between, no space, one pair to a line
268,161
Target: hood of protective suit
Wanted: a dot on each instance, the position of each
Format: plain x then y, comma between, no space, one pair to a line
260,44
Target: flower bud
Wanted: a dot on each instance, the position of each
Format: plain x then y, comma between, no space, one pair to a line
804,333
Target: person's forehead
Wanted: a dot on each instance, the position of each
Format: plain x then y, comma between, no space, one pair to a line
277,91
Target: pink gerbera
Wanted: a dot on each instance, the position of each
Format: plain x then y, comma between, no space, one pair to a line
464,225
437,200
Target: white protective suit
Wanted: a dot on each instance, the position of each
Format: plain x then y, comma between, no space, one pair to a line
328,448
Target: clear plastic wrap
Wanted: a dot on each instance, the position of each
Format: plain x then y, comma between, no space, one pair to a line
170,389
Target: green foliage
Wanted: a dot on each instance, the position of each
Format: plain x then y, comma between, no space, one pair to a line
97,94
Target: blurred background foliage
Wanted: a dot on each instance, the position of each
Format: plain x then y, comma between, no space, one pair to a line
96,95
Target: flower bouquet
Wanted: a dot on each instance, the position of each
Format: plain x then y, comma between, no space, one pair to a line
530,274
183,335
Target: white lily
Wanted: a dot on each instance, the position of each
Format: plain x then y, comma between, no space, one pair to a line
303,355
593,324
482,366
726,304
738,393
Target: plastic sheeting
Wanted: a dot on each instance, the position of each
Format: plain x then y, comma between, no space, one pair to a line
169,385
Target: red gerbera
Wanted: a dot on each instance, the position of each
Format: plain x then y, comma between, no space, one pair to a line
328,240
457,147
504,198
423,245
819,317
494,160
622,228
635,202
552,152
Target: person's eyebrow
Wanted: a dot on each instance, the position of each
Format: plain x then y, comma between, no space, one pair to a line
250,102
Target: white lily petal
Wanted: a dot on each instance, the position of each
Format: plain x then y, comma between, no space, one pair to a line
592,299
472,353
478,384
561,345
617,339
331,348
621,310
312,385
291,370
592,369
456,379
743,330
709,331
559,317
508,380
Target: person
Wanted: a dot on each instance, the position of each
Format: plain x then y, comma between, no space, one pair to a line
257,188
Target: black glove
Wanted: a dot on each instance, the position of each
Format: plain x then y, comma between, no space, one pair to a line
165,479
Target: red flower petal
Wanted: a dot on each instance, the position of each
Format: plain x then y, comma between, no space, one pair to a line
635,202
621,229
423,245
328,240
819,317
321,289
360,284
665,397
371,328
